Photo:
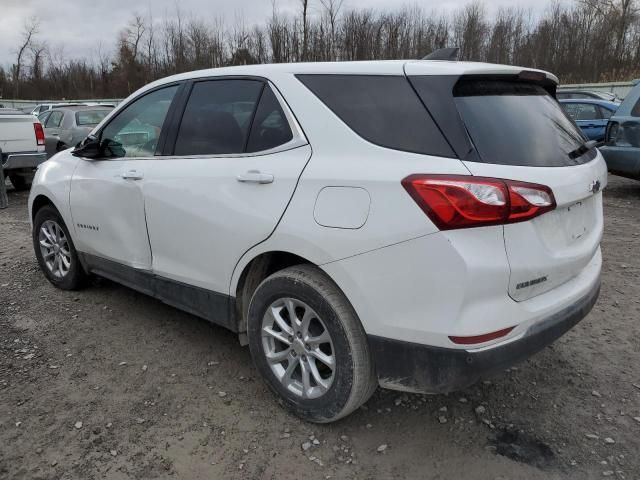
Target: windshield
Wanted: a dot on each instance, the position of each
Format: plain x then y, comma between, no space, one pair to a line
90,117
515,123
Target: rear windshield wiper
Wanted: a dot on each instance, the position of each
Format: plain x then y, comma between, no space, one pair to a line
584,148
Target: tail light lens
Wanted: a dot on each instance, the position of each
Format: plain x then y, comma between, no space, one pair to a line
464,201
39,134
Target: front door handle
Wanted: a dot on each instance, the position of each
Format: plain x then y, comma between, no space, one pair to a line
132,175
255,176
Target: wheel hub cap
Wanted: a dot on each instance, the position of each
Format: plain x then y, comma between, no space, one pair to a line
298,348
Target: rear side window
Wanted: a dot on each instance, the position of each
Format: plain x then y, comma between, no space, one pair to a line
381,109
516,123
54,120
605,113
270,127
217,117
582,111
90,117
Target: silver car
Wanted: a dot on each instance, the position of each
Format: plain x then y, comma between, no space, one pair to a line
66,127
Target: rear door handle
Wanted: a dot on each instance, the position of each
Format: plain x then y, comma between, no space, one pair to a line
132,175
255,176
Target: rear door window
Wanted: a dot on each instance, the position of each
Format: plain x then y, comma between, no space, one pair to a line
605,113
217,117
582,111
54,120
384,110
516,123
270,127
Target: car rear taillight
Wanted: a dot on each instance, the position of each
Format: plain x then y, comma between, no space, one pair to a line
39,133
465,201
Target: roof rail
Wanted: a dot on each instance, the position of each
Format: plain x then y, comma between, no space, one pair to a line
449,53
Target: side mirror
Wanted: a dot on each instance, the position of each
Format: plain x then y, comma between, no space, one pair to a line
88,148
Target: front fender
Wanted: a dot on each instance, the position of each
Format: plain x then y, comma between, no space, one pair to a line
53,181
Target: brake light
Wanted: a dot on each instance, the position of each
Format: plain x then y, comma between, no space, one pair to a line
39,133
465,201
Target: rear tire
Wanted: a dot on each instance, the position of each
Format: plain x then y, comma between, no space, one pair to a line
333,336
55,251
20,182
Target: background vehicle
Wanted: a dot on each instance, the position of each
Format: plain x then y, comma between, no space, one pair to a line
591,115
356,223
564,94
21,146
622,143
49,106
64,127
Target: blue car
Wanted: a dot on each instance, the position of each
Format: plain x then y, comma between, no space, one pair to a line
622,142
591,115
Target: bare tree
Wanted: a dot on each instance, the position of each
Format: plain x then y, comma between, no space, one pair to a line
29,31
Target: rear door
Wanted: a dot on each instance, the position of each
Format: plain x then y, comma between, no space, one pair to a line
518,131
231,167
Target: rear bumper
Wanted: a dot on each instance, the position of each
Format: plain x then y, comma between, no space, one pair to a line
421,368
23,160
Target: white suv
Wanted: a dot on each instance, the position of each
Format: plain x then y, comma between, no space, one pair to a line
412,224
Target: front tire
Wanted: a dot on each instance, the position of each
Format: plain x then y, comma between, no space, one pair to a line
55,251
309,346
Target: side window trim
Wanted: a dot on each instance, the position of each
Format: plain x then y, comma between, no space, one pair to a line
299,139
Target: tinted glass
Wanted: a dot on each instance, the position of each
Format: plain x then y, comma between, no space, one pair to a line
382,109
515,123
90,117
135,131
217,117
54,120
270,127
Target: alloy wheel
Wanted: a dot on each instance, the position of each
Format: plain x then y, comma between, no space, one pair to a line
54,247
298,348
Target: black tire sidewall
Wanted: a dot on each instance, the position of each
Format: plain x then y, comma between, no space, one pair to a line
75,275
19,182
331,403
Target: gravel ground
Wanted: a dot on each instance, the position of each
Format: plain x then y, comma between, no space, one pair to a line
108,383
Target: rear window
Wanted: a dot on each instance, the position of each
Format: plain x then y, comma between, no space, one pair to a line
90,117
515,123
384,110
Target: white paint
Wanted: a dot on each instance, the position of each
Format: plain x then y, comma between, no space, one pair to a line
342,207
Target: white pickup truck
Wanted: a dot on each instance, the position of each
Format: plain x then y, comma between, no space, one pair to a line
22,146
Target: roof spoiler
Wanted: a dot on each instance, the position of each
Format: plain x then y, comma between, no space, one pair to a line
449,53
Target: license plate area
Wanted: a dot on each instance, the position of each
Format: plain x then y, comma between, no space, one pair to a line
575,220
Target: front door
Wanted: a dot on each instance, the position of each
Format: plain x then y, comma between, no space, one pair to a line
106,198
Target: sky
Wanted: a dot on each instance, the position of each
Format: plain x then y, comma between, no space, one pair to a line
80,26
